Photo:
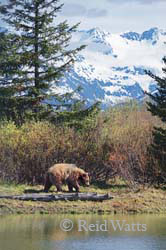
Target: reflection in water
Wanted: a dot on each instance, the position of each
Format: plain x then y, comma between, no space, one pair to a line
44,232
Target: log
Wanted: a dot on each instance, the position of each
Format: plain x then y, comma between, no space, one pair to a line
59,197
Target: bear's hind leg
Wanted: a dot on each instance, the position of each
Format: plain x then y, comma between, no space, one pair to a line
47,184
59,188
57,182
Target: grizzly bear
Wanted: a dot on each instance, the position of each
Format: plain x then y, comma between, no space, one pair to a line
62,173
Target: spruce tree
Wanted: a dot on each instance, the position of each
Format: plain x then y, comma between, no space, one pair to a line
157,106
34,56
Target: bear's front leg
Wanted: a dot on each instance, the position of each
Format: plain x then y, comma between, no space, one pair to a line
76,186
70,187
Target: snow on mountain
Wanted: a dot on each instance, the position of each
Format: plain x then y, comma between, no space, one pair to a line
111,68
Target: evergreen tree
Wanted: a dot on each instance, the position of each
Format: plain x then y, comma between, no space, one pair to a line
33,58
157,106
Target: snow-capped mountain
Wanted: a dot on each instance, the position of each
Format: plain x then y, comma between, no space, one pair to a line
111,68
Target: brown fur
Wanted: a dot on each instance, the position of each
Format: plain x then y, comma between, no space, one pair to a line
62,173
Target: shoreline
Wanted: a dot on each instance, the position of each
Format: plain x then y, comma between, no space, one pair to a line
125,201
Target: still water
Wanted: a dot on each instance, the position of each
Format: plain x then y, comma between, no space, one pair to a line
84,232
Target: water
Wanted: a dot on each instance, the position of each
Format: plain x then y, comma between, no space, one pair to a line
43,232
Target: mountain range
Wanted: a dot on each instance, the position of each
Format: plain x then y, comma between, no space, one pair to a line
111,69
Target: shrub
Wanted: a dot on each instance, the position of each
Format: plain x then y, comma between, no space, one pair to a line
26,152
116,144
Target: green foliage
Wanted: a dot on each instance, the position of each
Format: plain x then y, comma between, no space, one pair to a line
157,106
33,59
79,119
26,152
115,142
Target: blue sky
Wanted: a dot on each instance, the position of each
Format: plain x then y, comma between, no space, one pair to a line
115,15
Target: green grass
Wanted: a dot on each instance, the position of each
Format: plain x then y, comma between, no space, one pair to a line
144,200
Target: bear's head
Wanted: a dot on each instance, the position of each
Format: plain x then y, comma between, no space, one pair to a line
84,178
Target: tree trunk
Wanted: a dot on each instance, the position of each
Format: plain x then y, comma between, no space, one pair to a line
57,197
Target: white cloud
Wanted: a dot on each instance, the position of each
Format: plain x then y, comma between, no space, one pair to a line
93,13
115,15
135,1
74,10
